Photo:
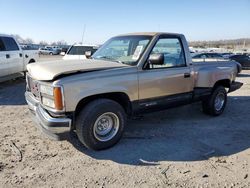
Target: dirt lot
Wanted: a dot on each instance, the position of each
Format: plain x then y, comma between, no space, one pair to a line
180,147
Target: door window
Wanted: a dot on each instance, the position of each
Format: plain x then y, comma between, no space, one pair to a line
2,47
10,44
173,53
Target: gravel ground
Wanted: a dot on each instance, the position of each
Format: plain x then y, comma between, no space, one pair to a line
179,147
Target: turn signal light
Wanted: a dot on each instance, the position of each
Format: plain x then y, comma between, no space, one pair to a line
58,99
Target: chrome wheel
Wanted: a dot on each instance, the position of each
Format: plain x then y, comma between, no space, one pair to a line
219,101
106,126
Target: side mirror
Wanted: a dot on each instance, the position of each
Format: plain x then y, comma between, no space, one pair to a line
156,59
88,54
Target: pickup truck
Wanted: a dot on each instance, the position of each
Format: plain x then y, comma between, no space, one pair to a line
13,59
129,75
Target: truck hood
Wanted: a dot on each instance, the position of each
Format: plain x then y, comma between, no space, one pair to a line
49,70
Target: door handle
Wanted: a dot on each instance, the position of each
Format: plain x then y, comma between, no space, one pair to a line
20,55
7,56
26,56
187,75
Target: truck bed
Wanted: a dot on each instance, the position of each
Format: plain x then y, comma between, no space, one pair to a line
203,70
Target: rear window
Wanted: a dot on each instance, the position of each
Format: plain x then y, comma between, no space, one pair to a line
10,44
2,47
80,50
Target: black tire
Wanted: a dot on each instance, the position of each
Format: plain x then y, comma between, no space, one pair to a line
50,53
209,105
86,121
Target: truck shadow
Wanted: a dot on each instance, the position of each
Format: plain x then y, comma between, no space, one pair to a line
181,134
12,92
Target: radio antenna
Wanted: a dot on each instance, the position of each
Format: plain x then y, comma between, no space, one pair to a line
83,32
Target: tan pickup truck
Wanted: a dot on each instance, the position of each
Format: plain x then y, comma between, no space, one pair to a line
130,74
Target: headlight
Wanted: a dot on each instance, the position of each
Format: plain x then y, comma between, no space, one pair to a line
52,97
48,102
46,90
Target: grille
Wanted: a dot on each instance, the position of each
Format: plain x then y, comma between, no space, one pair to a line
33,86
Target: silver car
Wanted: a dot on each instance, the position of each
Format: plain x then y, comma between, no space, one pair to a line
48,51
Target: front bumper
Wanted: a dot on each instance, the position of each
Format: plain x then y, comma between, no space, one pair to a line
56,128
234,86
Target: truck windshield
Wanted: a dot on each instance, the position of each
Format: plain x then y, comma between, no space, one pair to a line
124,49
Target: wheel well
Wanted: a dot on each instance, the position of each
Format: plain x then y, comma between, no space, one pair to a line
119,97
225,83
32,61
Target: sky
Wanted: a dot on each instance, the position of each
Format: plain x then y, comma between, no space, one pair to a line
52,20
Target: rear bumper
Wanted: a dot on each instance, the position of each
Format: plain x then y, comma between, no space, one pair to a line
234,86
56,128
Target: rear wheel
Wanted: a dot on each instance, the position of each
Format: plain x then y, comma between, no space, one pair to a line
100,124
50,53
215,104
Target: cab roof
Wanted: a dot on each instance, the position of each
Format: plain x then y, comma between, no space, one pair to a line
5,35
148,34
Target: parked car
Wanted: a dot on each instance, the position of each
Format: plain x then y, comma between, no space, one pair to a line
226,54
248,54
57,49
48,51
244,60
13,59
207,56
213,57
79,51
129,75
28,47
64,51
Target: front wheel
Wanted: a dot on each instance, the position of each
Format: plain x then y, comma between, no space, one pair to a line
215,104
100,124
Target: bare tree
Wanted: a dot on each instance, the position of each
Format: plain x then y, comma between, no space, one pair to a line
222,43
43,43
59,43
28,41
18,38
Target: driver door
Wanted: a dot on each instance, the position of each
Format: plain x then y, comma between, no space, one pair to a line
161,86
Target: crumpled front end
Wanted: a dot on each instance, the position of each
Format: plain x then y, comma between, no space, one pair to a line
55,127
